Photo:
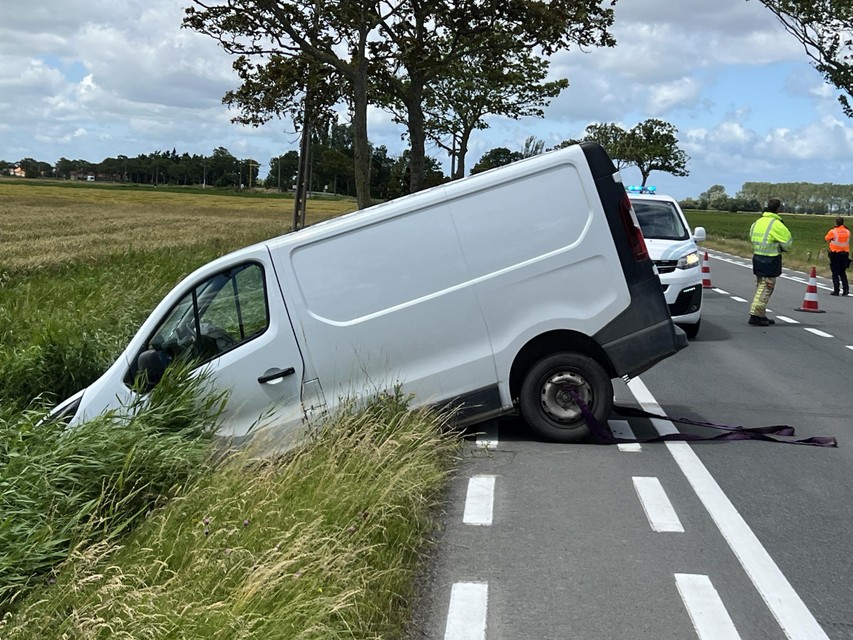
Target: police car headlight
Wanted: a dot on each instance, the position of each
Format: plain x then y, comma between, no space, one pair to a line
688,261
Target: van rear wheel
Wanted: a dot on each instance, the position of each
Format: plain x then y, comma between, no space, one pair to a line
547,404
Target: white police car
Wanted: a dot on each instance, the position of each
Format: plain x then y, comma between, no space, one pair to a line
673,249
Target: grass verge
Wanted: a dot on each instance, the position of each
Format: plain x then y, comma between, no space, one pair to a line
323,543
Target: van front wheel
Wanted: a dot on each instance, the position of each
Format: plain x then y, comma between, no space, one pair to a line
547,404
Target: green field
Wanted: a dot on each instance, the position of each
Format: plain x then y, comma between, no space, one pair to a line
730,232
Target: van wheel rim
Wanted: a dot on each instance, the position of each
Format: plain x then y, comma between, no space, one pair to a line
557,401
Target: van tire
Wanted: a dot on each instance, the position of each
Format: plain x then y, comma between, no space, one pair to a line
550,411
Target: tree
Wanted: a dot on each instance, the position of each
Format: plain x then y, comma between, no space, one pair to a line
532,147
512,85
283,171
426,43
652,146
824,28
615,140
399,179
716,197
496,158
316,47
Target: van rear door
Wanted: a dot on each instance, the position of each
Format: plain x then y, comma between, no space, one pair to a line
644,333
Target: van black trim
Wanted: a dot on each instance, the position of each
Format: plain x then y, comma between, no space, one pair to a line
474,406
643,334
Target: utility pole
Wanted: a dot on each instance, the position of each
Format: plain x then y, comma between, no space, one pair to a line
302,178
251,164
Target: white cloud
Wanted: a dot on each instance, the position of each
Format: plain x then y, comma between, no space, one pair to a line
101,78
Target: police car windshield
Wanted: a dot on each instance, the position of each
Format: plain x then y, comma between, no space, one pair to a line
659,220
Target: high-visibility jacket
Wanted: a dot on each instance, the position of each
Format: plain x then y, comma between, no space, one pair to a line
838,238
770,237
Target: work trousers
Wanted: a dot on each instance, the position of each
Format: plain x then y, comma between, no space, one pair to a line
763,290
838,266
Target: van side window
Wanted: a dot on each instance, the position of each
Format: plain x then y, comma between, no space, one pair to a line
214,317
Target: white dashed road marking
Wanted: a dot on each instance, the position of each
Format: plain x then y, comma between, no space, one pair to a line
489,438
739,299
705,608
656,504
480,501
466,617
820,333
621,429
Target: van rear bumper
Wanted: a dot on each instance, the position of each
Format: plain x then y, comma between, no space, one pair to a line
638,352
643,334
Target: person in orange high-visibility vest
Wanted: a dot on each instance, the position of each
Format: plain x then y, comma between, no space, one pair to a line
839,256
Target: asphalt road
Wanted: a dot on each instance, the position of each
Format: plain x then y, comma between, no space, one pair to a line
712,540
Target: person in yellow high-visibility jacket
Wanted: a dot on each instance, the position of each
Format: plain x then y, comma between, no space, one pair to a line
770,237
839,256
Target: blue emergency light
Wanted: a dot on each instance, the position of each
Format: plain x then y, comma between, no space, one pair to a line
639,189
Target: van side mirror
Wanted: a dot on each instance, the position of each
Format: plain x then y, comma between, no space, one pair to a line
151,367
699,234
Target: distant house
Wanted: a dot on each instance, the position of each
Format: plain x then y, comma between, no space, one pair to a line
18,172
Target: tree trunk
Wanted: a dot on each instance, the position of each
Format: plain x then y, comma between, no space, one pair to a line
417,137
360,144
460,156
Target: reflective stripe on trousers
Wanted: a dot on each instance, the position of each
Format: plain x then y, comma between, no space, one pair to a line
763,289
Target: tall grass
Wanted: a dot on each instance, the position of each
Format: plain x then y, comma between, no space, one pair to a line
322,543
62,488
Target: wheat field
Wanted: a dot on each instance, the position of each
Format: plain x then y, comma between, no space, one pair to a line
43,225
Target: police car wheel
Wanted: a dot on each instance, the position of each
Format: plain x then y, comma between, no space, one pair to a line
692,330
548,393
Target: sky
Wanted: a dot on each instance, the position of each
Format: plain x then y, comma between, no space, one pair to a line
100,78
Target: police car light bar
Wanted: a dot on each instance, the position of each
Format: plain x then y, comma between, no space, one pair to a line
638,189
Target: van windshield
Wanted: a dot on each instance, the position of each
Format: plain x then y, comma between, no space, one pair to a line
660,220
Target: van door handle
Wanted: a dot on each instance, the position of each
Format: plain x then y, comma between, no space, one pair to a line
276,374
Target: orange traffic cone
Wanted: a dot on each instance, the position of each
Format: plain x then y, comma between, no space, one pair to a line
810,301
706,273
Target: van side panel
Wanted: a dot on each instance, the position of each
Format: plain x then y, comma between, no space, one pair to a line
386,303
543,257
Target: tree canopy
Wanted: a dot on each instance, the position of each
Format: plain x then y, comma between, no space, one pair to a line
399,57
825,29
651,145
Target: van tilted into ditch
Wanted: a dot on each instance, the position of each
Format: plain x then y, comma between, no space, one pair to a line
511,290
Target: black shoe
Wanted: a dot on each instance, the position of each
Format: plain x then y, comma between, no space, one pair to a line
835,293
770,320
759,321
846,293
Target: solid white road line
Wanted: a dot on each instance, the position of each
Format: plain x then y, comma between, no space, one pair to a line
656,504
480,500
820,333
705,608
466,618
622,429
791,613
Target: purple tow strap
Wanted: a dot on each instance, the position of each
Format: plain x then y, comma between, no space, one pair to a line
603,435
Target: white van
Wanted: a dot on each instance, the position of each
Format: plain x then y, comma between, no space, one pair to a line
673,249
520,288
